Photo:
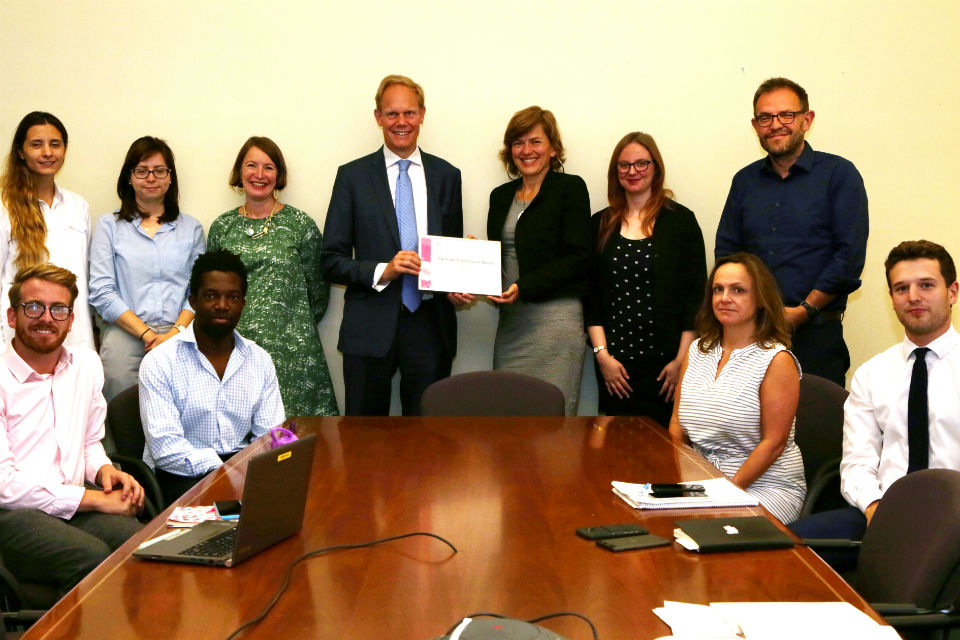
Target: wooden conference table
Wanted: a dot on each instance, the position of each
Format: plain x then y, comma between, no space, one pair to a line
507,492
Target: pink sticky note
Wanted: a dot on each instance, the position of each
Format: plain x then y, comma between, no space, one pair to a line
425,249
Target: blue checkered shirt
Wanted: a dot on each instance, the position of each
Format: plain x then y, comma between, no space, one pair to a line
190,416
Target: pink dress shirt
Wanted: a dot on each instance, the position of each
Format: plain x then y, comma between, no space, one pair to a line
51,426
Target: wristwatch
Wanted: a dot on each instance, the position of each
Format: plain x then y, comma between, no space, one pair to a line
812,311
597,350
180,327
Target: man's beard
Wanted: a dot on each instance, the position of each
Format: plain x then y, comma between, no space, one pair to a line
26,339
793,142
217,330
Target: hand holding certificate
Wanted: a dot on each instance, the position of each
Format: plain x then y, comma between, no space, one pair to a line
459,265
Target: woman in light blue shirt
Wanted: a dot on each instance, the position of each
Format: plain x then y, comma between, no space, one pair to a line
140,261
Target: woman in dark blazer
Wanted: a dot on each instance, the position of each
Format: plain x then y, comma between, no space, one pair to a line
542,219
648,276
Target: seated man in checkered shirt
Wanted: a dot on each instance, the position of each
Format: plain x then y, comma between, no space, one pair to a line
209,392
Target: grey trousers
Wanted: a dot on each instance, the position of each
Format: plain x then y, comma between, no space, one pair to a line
40,548
121,354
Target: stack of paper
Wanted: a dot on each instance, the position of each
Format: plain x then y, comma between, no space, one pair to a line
771,621
718,492
696,621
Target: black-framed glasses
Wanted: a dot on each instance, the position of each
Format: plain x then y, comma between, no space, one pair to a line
36,309
159,172
785,117
640,165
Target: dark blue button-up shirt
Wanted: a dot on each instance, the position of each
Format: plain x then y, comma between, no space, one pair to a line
810,228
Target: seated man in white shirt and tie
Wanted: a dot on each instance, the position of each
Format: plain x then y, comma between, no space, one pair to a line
903,413
208,392
54,530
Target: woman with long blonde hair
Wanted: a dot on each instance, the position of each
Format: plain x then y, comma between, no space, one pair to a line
39,221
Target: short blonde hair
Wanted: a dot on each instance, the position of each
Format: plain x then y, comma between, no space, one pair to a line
397,79
48,272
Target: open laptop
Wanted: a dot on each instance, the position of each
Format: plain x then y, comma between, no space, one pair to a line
274,498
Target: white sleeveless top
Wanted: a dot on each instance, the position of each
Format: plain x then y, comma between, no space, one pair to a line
721,416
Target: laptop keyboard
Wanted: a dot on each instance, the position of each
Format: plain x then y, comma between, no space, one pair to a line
219,545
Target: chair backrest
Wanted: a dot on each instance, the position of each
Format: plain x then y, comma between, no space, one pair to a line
123,422
819,434
911,550
492,393
819,426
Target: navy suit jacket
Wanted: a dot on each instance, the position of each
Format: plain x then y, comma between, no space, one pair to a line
361,231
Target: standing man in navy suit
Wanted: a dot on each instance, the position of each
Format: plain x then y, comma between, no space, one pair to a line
380,205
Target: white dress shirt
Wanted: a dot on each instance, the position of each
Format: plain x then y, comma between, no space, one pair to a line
51,426
68,241
190,416
875,444
418,181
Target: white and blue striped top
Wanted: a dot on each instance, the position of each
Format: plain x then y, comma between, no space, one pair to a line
720,414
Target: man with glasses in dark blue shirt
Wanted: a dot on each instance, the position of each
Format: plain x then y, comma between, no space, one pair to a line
804,213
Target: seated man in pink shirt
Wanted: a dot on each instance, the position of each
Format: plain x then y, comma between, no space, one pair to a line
53,530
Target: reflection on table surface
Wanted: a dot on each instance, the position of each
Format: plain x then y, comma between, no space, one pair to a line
507,492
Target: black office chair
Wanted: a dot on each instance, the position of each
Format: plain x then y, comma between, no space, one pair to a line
819,434
492,393
909,560
15,623
22,603
125,432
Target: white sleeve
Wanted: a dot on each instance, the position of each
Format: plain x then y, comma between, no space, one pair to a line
862,445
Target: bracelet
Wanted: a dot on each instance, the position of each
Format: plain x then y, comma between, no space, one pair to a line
144,333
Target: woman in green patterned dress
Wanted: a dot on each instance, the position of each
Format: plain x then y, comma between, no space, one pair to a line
287,296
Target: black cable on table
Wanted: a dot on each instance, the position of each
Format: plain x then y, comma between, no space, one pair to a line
316,552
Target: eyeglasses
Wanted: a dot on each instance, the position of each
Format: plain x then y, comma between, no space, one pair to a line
640,165
785,117
159,172
36,309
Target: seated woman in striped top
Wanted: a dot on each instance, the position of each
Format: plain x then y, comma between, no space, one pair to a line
740,386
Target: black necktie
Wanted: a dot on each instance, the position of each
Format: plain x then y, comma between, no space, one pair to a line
918,437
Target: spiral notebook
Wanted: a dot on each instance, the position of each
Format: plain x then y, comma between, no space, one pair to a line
718,492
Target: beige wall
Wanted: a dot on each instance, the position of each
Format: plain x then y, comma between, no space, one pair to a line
205,75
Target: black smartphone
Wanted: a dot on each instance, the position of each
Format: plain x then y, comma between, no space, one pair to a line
676,490
611,531
227,509
633,542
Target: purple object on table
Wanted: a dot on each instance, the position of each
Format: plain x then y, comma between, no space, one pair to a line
280,436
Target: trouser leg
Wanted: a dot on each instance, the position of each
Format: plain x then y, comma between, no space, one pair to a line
847,523
421,356
822,351
113,529
41,548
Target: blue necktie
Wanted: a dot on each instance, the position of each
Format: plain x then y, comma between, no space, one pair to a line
407,220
